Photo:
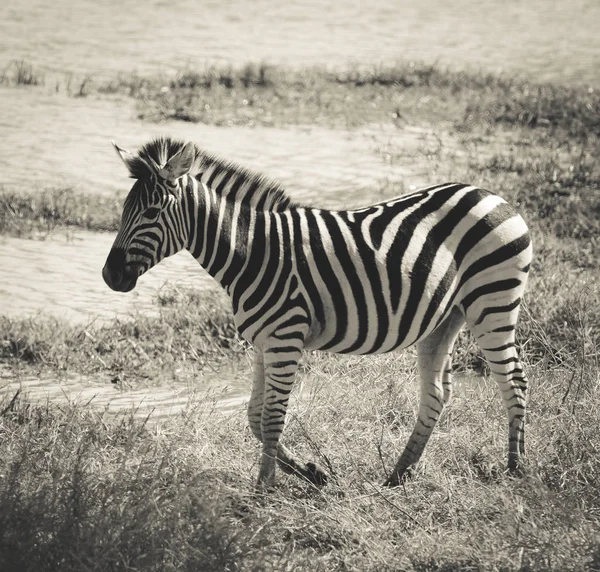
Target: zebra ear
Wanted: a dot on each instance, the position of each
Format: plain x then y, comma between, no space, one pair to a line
124,155
179,164
132,162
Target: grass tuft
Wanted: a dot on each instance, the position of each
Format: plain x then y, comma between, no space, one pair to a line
558,192
81,491
190,328
575,111
20,72
40,214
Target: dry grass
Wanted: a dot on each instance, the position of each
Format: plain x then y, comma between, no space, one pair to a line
262,94
87,492
267,95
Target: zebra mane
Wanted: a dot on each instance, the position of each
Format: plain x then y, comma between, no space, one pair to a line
212,170
265,193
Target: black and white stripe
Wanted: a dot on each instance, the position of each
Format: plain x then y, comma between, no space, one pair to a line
411,270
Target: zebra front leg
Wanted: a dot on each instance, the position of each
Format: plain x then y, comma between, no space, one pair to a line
266,414
310,471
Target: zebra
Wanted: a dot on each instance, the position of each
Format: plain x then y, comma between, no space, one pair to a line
410,270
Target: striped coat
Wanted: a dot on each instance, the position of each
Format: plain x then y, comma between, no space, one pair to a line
411,270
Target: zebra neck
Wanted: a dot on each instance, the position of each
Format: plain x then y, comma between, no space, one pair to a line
224,235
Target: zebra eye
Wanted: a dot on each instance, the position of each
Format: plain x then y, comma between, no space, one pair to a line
151,213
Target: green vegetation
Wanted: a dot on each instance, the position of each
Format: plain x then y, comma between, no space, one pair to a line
83,490
268,95
558,190
188,328
262,94
43,212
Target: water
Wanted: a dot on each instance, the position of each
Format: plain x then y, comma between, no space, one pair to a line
225,389
59,141
541,39
61,276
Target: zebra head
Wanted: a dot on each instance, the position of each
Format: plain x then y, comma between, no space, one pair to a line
153,223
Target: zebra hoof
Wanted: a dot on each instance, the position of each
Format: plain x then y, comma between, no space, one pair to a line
315,475
391,482
310,471
517,471
399,478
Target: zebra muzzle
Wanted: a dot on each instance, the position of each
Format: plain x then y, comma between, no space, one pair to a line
118,275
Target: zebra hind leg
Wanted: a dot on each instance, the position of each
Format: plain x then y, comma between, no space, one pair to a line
286,460
500,351
434,354
447,377
491,312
